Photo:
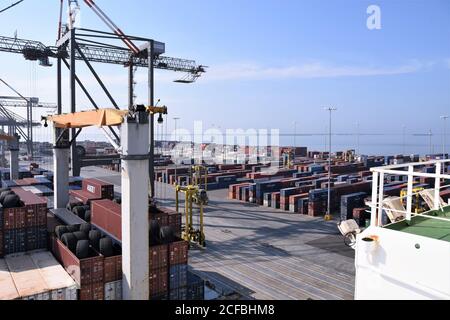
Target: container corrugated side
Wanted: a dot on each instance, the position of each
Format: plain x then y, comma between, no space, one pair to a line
113,290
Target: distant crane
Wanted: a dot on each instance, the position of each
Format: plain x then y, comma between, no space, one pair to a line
14,122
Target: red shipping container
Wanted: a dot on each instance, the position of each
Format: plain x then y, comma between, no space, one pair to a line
112,269
100,189
86,271
161,217
159,279
92,291
107,215
83,196
35,207
14,218
158,256
178,252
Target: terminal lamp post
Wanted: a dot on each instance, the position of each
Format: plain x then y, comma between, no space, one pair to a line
328,216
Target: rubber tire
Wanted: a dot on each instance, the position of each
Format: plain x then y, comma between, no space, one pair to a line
73,228
60,230
79,211
70,241
106,247
87,216
154,232
94,239
118,200
80,235
166,234
11,201
70,205
85,227
4,194
82,249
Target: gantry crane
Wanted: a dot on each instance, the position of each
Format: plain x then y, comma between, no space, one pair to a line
14,122
96,46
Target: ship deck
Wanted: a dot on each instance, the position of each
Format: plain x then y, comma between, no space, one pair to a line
427,227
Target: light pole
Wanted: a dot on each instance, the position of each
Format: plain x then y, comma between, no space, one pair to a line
176,120
444,118
328,215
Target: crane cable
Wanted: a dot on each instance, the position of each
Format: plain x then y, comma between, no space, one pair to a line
12,5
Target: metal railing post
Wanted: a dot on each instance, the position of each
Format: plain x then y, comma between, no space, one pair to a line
380,200
437,186
373,214
410,192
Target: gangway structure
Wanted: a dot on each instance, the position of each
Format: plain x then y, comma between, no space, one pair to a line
407,257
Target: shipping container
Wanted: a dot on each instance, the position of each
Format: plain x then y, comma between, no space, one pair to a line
195,287
92,291
113,290
100,189
158,281
35,276
107,215
85,271
178,252
112,268
178,294
159,256
178,276
14,241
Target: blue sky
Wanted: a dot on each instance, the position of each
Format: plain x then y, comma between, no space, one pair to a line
272,62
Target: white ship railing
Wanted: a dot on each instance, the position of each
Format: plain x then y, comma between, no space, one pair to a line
379,174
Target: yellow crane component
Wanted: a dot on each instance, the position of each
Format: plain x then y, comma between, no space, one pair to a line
83,119
200,173
193,195
98,117
417,200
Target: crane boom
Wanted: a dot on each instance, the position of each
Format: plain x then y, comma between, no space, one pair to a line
36,50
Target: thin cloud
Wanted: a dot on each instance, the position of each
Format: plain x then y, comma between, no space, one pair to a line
248,71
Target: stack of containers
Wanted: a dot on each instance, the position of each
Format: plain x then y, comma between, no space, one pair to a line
24,228
317,202
350,202
178,279
168,261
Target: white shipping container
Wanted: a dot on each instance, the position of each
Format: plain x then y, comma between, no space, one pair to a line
60,284
113,290
36,276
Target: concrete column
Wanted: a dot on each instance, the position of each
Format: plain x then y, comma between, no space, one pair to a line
61,156
13,147
135,226
61,177
14,163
